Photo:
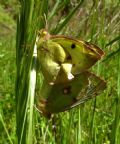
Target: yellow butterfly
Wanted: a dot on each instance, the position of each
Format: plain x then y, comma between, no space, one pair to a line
64,63
64,55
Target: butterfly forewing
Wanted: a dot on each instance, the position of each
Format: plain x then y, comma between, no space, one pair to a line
83,54
54,51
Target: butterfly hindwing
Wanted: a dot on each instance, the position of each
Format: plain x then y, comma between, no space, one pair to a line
61,97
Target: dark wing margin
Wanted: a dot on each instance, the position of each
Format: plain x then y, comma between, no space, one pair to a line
94,88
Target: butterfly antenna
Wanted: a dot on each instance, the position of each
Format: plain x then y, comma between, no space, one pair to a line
46,24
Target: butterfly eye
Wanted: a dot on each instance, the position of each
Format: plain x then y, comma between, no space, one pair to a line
73,46
44,33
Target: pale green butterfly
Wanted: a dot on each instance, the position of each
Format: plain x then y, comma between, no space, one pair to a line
64,63
70,55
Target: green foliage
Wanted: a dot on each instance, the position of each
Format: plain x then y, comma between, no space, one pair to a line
95,122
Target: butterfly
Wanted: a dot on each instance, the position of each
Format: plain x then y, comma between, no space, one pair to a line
64,63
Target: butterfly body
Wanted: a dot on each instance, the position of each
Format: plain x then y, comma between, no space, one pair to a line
52,58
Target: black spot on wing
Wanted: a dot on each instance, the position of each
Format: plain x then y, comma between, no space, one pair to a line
73,65
73,45
69,57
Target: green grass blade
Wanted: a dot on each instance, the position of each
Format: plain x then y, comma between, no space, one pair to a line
112,54
113,41
115,135
5,128
64,21
54,10
26,75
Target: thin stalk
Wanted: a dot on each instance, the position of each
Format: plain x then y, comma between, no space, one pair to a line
5,128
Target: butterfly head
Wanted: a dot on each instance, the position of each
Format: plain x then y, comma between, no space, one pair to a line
43,33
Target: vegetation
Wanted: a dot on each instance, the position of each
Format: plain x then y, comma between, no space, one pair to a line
96,121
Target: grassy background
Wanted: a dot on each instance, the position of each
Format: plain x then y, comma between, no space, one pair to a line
98,120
